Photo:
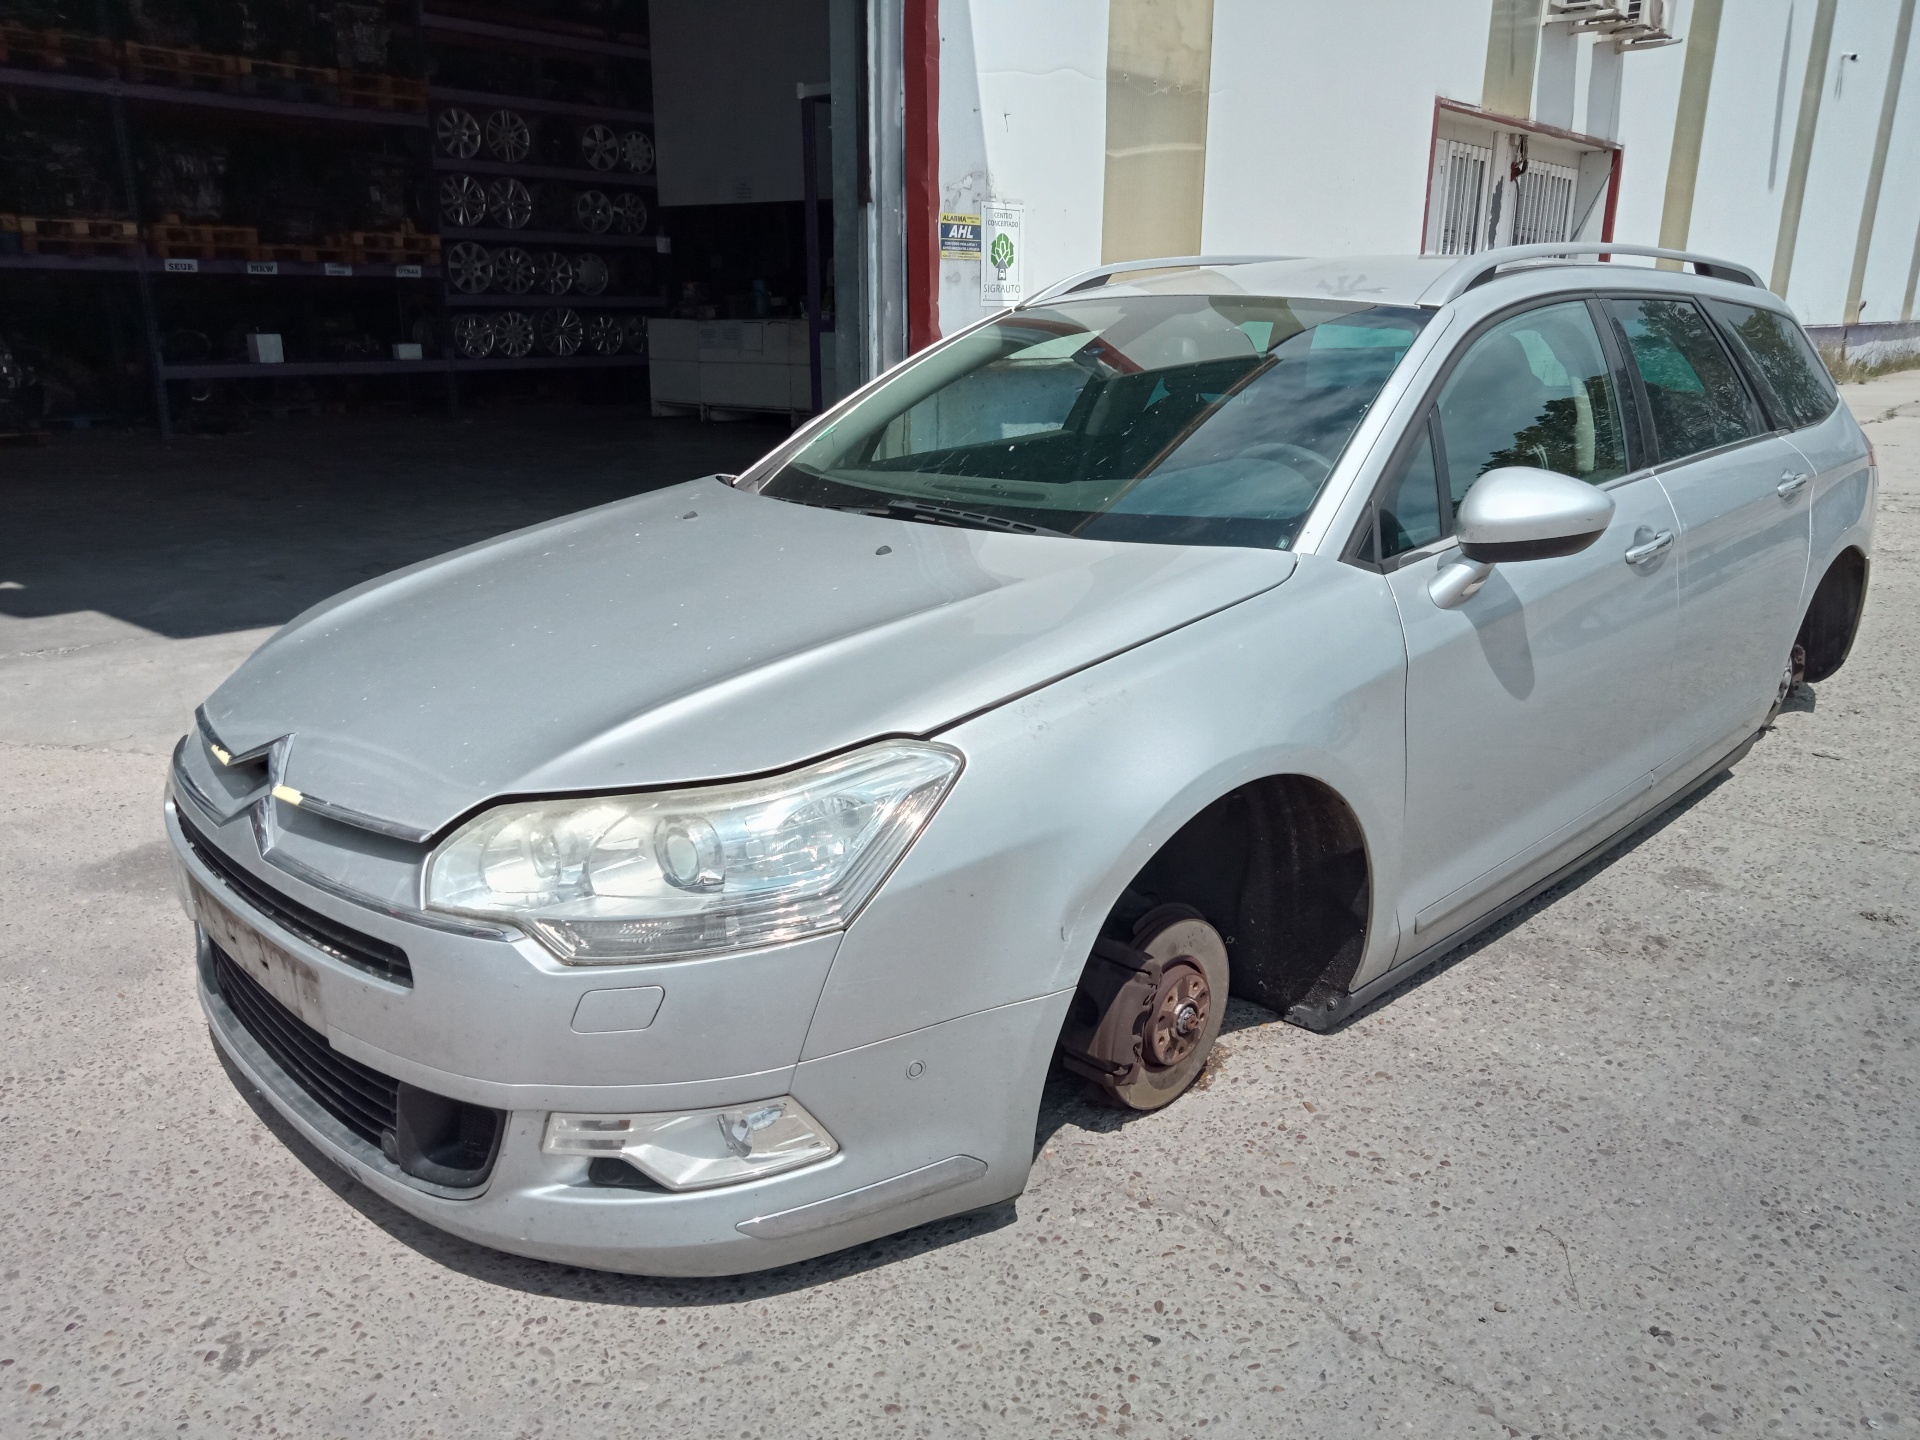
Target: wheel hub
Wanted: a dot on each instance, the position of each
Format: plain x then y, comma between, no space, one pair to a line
1178,1015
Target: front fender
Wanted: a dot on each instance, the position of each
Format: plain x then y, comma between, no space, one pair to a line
1068,791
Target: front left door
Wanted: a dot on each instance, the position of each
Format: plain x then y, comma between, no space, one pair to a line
1538,709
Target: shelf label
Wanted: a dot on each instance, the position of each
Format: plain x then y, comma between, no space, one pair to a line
406,272
182,267
333,269
263,267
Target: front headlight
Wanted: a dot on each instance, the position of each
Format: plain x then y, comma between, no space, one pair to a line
614,879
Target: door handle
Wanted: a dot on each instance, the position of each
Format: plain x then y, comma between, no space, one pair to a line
1790,483
1640,554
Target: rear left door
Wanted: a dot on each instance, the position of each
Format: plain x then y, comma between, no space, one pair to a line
1741,493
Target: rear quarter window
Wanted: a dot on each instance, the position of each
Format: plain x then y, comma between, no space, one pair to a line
1778,355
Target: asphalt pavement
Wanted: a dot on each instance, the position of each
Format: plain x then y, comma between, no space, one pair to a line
1642,1162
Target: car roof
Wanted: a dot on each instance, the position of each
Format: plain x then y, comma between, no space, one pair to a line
1429,280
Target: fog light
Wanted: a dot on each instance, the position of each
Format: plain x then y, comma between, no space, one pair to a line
699,1148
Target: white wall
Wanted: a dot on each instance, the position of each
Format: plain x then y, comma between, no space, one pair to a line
1023,116
1321,116
1321,120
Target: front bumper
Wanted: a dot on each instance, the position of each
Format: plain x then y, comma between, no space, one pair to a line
930,1123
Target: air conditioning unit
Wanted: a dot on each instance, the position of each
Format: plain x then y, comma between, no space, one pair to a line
1631,24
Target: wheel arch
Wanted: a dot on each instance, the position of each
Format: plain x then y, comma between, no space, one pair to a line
1833,614
1281,865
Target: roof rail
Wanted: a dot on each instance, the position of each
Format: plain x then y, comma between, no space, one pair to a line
1478,269
1086,279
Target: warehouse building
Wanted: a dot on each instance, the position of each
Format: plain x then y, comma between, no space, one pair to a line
216,212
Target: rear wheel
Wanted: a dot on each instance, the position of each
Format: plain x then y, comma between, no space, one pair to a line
1147,1013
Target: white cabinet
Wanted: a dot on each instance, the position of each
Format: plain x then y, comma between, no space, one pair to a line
726,365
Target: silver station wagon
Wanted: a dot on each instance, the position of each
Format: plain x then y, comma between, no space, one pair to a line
712,879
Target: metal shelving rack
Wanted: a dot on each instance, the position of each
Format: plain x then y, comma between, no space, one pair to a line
121,95
443,29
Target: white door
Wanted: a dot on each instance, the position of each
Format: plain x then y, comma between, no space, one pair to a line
1538,709
1741,493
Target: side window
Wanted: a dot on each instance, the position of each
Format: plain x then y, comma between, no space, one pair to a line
1410,506
1697,399
1534,390
1778,352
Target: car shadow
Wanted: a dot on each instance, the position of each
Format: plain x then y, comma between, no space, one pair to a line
605,1287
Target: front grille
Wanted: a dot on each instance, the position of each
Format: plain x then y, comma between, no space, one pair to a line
358,1096
325,934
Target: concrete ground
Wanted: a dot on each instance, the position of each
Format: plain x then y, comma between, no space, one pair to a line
1642,1162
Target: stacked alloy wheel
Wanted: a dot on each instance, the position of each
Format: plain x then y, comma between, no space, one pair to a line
630,214
513,334
510,203
463,201
636,152
457,133
599,146
590,275
473,335
604,333
553,272
561,331
514,270
509,137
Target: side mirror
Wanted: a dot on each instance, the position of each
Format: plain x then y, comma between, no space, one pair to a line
1519,513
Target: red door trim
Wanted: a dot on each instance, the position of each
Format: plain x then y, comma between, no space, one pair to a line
922,60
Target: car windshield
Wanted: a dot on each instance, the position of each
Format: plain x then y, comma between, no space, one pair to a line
1171,419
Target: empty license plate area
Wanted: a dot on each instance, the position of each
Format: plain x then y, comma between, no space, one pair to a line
288,979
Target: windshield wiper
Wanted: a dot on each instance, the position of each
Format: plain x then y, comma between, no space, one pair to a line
963,519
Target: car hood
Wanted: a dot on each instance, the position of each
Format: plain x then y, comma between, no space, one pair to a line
694,633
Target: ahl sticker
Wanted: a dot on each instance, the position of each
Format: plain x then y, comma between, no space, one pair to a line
959,237
1002,256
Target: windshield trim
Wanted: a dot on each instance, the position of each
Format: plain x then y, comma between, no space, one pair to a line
1337,419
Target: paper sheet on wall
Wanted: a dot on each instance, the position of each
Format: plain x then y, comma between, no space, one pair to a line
1003,248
